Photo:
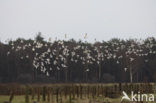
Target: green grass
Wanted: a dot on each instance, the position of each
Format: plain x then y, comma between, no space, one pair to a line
16,99
21,99
97,98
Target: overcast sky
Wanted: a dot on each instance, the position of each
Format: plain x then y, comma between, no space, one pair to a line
100,19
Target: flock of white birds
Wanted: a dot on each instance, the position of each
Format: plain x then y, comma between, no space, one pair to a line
59,53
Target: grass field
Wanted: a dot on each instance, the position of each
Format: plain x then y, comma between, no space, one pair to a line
70,93
21,99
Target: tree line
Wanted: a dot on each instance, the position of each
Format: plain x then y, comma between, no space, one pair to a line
58,61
